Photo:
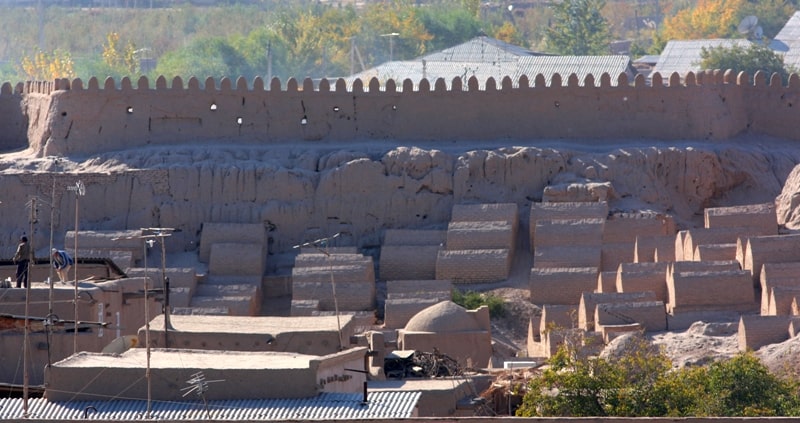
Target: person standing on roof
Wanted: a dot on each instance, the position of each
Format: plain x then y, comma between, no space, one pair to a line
62,262
22,259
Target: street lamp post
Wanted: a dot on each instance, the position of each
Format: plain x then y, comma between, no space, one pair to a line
391,36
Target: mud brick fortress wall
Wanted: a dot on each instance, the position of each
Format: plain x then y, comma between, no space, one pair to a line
312,195
73,117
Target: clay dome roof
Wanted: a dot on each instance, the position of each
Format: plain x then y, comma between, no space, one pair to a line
446,316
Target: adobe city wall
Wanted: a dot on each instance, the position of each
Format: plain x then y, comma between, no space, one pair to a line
425,151
67,118
13,123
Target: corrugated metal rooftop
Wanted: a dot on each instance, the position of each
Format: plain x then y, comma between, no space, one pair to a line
480,49
788,34
683,56
581,66
326,406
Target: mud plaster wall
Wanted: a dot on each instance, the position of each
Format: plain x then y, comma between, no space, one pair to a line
304,181
13,124
86,120
308,195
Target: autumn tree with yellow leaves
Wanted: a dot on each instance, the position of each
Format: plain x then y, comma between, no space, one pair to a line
122,59
709,19
45,66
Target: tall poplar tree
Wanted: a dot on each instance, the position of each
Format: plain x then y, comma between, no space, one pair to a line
578,28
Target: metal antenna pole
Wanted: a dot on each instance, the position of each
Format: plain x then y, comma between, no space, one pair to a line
28,281
147,241
161,234
147,334
52,217
80,190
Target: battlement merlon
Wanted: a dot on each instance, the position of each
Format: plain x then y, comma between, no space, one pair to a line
72,119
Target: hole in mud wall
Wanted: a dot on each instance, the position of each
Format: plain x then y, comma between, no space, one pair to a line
304,120
557,104
394,107
63,113
239,121
129,110
335,108
213,107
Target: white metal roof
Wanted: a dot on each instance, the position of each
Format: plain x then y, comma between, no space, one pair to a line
581,66
485,57
527,65
788,34
683,56
480,49
325,406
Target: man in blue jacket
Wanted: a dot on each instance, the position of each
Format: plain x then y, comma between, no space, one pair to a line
62,262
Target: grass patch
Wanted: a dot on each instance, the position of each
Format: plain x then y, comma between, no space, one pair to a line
472,300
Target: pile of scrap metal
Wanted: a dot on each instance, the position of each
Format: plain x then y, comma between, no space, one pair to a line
404,364
13,322
510,385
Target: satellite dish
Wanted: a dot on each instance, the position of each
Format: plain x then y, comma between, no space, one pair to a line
747,25
758,33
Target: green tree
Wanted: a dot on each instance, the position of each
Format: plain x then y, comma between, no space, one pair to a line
472,6
578,28
265,51
448,24
203,58
578,385
755,57
641,383
744,387
317,40
117,57
396,16
508,33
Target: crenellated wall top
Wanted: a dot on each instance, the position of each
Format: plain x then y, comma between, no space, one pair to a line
87,117
6,89
690,79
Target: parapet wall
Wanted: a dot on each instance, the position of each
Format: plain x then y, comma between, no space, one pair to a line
68,118
13,124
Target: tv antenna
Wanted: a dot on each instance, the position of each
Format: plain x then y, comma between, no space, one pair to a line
322,246
198,385
749,26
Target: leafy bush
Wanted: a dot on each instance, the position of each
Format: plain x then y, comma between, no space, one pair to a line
642,383
472,300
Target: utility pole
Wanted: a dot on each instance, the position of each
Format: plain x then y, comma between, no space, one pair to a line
322,245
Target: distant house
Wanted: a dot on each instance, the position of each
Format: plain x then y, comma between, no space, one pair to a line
481,49
645,64
787,42
484,57
581,66
683,56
